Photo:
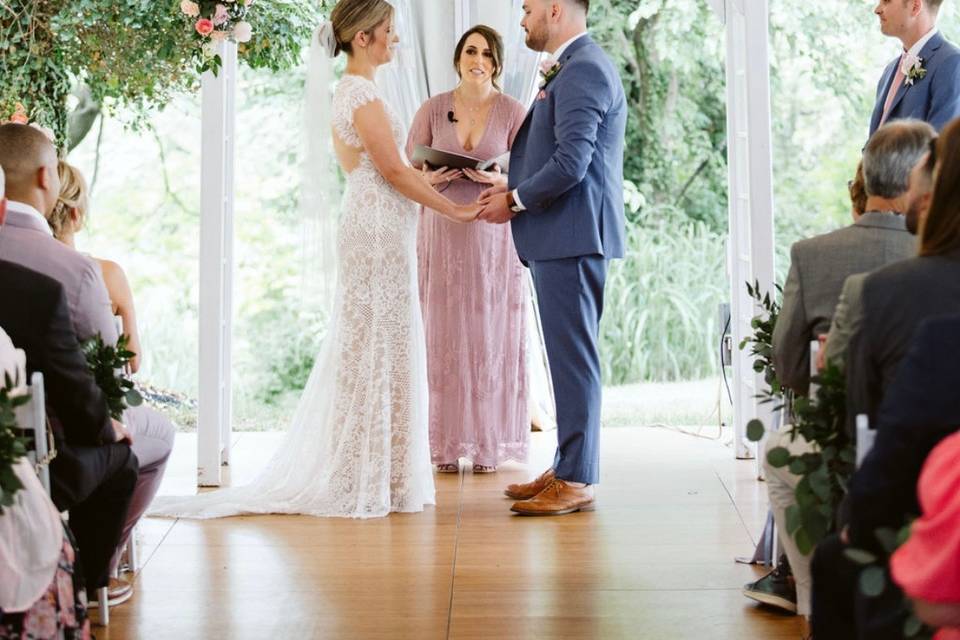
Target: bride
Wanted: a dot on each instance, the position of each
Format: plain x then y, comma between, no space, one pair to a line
358,442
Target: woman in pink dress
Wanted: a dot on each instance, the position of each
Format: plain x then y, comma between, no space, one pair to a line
472,286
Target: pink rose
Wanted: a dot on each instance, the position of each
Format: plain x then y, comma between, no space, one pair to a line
190,8
546,66
204,26
221,15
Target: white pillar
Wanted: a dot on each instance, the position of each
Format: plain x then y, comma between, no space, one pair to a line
749,159
216,268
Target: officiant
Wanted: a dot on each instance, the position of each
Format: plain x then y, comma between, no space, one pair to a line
473,289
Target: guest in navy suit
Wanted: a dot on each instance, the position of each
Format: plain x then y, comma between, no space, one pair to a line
924,82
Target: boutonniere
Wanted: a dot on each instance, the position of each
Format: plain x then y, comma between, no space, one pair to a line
913,69
548,71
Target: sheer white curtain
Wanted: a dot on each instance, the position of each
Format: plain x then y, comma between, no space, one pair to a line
424,67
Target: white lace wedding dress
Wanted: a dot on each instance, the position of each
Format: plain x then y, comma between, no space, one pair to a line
358,443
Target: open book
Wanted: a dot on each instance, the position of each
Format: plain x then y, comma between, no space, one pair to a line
436,159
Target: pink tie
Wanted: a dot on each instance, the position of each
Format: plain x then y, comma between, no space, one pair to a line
894,87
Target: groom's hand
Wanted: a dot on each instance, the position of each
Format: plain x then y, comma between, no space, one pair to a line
495,209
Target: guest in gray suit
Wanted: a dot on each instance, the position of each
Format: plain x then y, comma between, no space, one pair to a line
26,239
818,269
820,265
846,318
895,299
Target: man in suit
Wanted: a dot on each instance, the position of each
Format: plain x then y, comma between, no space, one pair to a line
846,318
924,82
820,265
94,473
818,268
565,201
920,409
33,188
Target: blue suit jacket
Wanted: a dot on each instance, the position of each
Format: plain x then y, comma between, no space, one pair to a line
567,161
935,98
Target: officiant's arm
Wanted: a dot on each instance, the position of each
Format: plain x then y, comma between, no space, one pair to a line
371,122
580,107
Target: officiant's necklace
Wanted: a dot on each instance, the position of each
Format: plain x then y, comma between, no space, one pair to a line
473,113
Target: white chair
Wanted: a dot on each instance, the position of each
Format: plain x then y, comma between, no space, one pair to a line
32,421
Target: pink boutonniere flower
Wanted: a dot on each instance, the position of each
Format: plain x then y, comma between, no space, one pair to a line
548,71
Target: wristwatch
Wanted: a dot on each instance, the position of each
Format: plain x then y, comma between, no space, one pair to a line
512,203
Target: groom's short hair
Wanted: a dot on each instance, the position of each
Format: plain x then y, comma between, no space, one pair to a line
583,3
23,149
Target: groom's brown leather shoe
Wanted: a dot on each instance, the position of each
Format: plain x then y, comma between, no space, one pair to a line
528,490
557,499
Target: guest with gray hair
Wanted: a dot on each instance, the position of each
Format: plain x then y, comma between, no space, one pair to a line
818,268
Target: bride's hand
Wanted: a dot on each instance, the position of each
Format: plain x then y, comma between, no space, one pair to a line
465,212
443,175
494,177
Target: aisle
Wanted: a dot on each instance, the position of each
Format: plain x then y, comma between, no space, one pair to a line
655,561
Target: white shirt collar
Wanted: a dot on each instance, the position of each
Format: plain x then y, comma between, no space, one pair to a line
921,43
26,209
559,52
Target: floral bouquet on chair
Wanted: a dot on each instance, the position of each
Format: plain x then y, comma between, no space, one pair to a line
214,22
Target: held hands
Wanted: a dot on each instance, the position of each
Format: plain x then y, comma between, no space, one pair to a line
464,212
494,208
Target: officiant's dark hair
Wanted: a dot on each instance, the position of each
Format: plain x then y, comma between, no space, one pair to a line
494,41
350,17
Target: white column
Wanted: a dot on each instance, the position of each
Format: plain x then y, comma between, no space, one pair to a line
749,158
216,268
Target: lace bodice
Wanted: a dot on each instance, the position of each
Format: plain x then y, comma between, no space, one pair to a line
352,93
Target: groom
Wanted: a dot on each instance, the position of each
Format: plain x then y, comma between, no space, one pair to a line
565,204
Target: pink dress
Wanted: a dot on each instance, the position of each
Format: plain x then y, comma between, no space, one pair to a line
473,291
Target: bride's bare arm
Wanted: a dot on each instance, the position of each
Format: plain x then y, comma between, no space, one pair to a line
371,122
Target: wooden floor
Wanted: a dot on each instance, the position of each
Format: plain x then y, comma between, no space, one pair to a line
655,561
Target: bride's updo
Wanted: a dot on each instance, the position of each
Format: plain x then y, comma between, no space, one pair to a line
350,17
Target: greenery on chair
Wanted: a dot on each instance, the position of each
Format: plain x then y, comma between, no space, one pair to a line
12,446
108,364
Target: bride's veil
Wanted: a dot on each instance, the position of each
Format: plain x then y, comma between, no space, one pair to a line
320,183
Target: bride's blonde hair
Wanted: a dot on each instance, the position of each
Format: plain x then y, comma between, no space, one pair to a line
351,17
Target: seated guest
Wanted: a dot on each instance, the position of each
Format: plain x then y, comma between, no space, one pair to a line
917,408
33,185
817,271
846,318
858,193
69,216
819,265
37,559
94,473
927,566
896,298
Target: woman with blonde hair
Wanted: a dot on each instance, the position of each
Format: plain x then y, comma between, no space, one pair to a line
358,442
70,216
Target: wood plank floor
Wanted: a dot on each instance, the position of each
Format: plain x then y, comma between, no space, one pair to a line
655,561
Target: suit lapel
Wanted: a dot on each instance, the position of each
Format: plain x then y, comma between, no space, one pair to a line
882,99
926,54
575,46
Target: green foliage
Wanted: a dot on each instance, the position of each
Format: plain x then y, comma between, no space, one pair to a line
108,363
761,342
659,319
12,446
132,54
824,473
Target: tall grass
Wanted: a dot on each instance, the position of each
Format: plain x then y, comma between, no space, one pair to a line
660,315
